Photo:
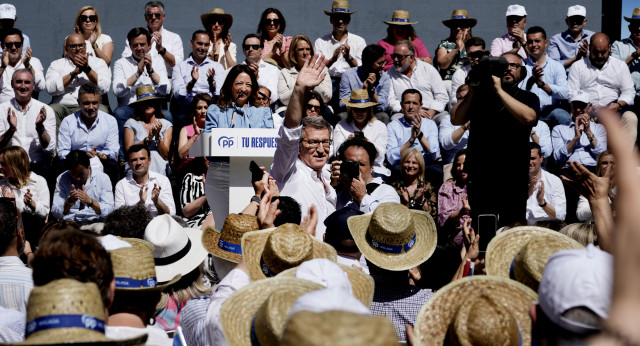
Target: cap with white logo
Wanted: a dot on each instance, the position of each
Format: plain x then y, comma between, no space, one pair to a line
516,10
7,11
577,10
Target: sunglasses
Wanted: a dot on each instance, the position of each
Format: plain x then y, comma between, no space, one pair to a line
399,56
91,18
152,15
253,46
262,96
476,55
313,107
11,45
272,21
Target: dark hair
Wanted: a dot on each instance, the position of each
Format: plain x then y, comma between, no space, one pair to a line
441,266
225,92
139,303
534,145
475,41
75,158
74,255
136,148
290,211
263,22
225,28
135,32
411,33
362,143
194,103
411,91
198,32
454,172
128,221
56,226
8,224
315,96
537,29
12,31
371,53
253,36
555,224
88,88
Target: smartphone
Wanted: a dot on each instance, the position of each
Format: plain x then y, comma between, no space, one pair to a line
487,228
256,171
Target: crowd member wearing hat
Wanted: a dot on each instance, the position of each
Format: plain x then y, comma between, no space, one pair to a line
149,128
546,200
12,41
217,23
514,40
127,221
8,18
401,28
451,53
340,238
571,45
395,239
143,186
266,74
15,278
270,30
628,50
361,121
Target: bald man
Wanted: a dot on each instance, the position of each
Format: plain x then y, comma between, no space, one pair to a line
65,76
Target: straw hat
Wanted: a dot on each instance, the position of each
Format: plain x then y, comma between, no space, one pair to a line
261,310
226,244
338,328
134,270
339,7
217,12
394,237
460,18
361,284
67,311
359,99
492,309
634,16
400,17
145,93
522,252
274,250
178,250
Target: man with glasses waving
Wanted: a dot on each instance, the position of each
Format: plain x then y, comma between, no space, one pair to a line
13,59
304,145
266,74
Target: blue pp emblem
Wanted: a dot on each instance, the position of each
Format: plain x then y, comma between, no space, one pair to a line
89,322
225,142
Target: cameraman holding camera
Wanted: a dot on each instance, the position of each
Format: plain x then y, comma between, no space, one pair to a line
502,116
352,176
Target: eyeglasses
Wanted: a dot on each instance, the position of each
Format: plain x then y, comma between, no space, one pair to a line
399,57
10,45
514,66
313,107
91,18
272,21
217,20
153,15
253,46
312,143
262,96
476,55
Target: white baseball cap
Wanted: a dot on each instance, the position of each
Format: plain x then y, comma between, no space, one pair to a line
576,278
580,96
577,10
7,11
516,10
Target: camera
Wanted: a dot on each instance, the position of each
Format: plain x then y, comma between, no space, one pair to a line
487,66
349,169
358,134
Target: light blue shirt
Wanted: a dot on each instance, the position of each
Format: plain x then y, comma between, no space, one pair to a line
562,46
354,78
103,135
621,50
98,187
555,76
582,152
248,117
182,77
543,133
399,132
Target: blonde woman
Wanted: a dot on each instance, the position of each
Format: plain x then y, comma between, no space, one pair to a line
583,233
98,44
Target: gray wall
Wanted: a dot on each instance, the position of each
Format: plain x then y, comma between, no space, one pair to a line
48,22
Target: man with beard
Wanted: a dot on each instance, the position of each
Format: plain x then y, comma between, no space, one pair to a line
13,59
371,77
497,162
628,50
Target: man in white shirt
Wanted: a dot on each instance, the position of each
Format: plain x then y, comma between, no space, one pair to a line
546,200
303,150
13,59
8,18
143,186
267,74
65,76
409,73
16,279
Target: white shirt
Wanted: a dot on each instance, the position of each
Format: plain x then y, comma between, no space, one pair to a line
609,84
125,67
288,77
128,193
155,335
7,93
426,79
171,41
100,42
40,191
296,179
375,131
221,56
327,44
182,77
26,135
235,280
544,134
382,194
459,77
350,262
269,76
69,96
553,195
449,147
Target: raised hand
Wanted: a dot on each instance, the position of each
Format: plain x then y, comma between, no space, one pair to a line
310,221
143,194
26,60
583,50
227,42
404,195
42,116
155,193
5,58
368,83
92,153
157,36
210,74
540,194
194,73
345,50
460,36
141,67
7,192
148,63
73,198
12,118
311,74
28,199
267,212
93,38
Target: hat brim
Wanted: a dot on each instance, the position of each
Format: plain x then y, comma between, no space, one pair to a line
362,284
464,22
238,311
399,23
210,239
358,105
434,318
158,287
426,240
186,264
69,336
629,19
504,247
328,13
204,18
253,244
145,100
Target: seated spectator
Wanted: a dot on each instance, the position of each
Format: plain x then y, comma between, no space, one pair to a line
315,106
128,221
400,28
453,201
270,30
545,191
415,192
605,167
91,131
190,134
454,138
583,233
340,238
514,40
451,54
627,51
541,135
82,194
217,24
361,122
264,100
195,209
571,45
16,282
148,128
301,52
14,60
87,24
266,74
30,191
8,18
65,76
475,49
137,186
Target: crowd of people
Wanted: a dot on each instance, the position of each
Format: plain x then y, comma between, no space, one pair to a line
476,196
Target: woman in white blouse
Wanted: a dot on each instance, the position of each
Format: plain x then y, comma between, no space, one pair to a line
222,50
361,121
29,190
98,44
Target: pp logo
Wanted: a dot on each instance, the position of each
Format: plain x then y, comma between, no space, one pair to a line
220,243
89,322
265,270
225,142
410,243
151,282
31,326
374,243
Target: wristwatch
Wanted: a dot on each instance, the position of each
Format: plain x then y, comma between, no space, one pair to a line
163,51
420,136
255,199
544,204
86,69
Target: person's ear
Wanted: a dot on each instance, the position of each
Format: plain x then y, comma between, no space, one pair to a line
533,313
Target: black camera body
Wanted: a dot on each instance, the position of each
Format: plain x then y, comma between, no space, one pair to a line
487,66
349,169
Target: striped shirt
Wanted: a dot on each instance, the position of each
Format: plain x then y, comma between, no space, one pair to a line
15,283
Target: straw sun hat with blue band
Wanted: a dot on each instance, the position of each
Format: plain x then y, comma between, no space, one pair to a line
359,98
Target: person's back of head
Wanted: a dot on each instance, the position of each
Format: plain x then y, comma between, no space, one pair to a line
337,233
290,211
8,226
128,221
